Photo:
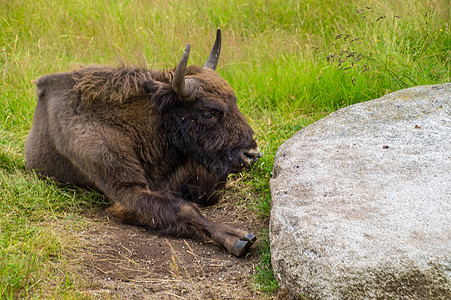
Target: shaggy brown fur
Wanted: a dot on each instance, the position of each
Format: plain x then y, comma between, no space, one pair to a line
155,154
109,84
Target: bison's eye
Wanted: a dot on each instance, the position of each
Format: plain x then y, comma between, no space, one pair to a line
208,114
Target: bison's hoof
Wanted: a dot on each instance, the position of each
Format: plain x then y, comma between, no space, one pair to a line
241,246
250,237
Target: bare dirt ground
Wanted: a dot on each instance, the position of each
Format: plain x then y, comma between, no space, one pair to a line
120,261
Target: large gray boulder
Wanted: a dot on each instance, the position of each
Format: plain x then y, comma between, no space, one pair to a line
361,201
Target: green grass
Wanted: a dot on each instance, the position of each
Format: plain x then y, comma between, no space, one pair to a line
290,63
33,247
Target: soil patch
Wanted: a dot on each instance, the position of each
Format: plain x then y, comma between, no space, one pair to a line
127,262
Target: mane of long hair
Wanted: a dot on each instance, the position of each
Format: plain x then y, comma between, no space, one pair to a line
115,84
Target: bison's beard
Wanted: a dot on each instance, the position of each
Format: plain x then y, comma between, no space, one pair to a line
216,165
196,183
222,165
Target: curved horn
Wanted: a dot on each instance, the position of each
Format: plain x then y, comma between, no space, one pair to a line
179,84
212,60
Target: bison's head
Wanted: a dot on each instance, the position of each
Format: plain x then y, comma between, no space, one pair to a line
201,117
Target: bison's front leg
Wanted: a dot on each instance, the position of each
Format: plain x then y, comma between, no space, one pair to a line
173,216
197,184
234,240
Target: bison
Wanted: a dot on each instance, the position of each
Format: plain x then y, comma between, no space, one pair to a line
157,143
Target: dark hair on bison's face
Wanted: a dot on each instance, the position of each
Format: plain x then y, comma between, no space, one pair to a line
155,142
206,125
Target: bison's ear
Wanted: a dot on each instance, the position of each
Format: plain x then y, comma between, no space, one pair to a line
161,94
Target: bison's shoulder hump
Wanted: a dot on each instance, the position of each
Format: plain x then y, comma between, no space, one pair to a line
109,84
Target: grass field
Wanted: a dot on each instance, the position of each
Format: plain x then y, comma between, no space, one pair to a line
290,63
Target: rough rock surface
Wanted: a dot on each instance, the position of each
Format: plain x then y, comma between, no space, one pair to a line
361,201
